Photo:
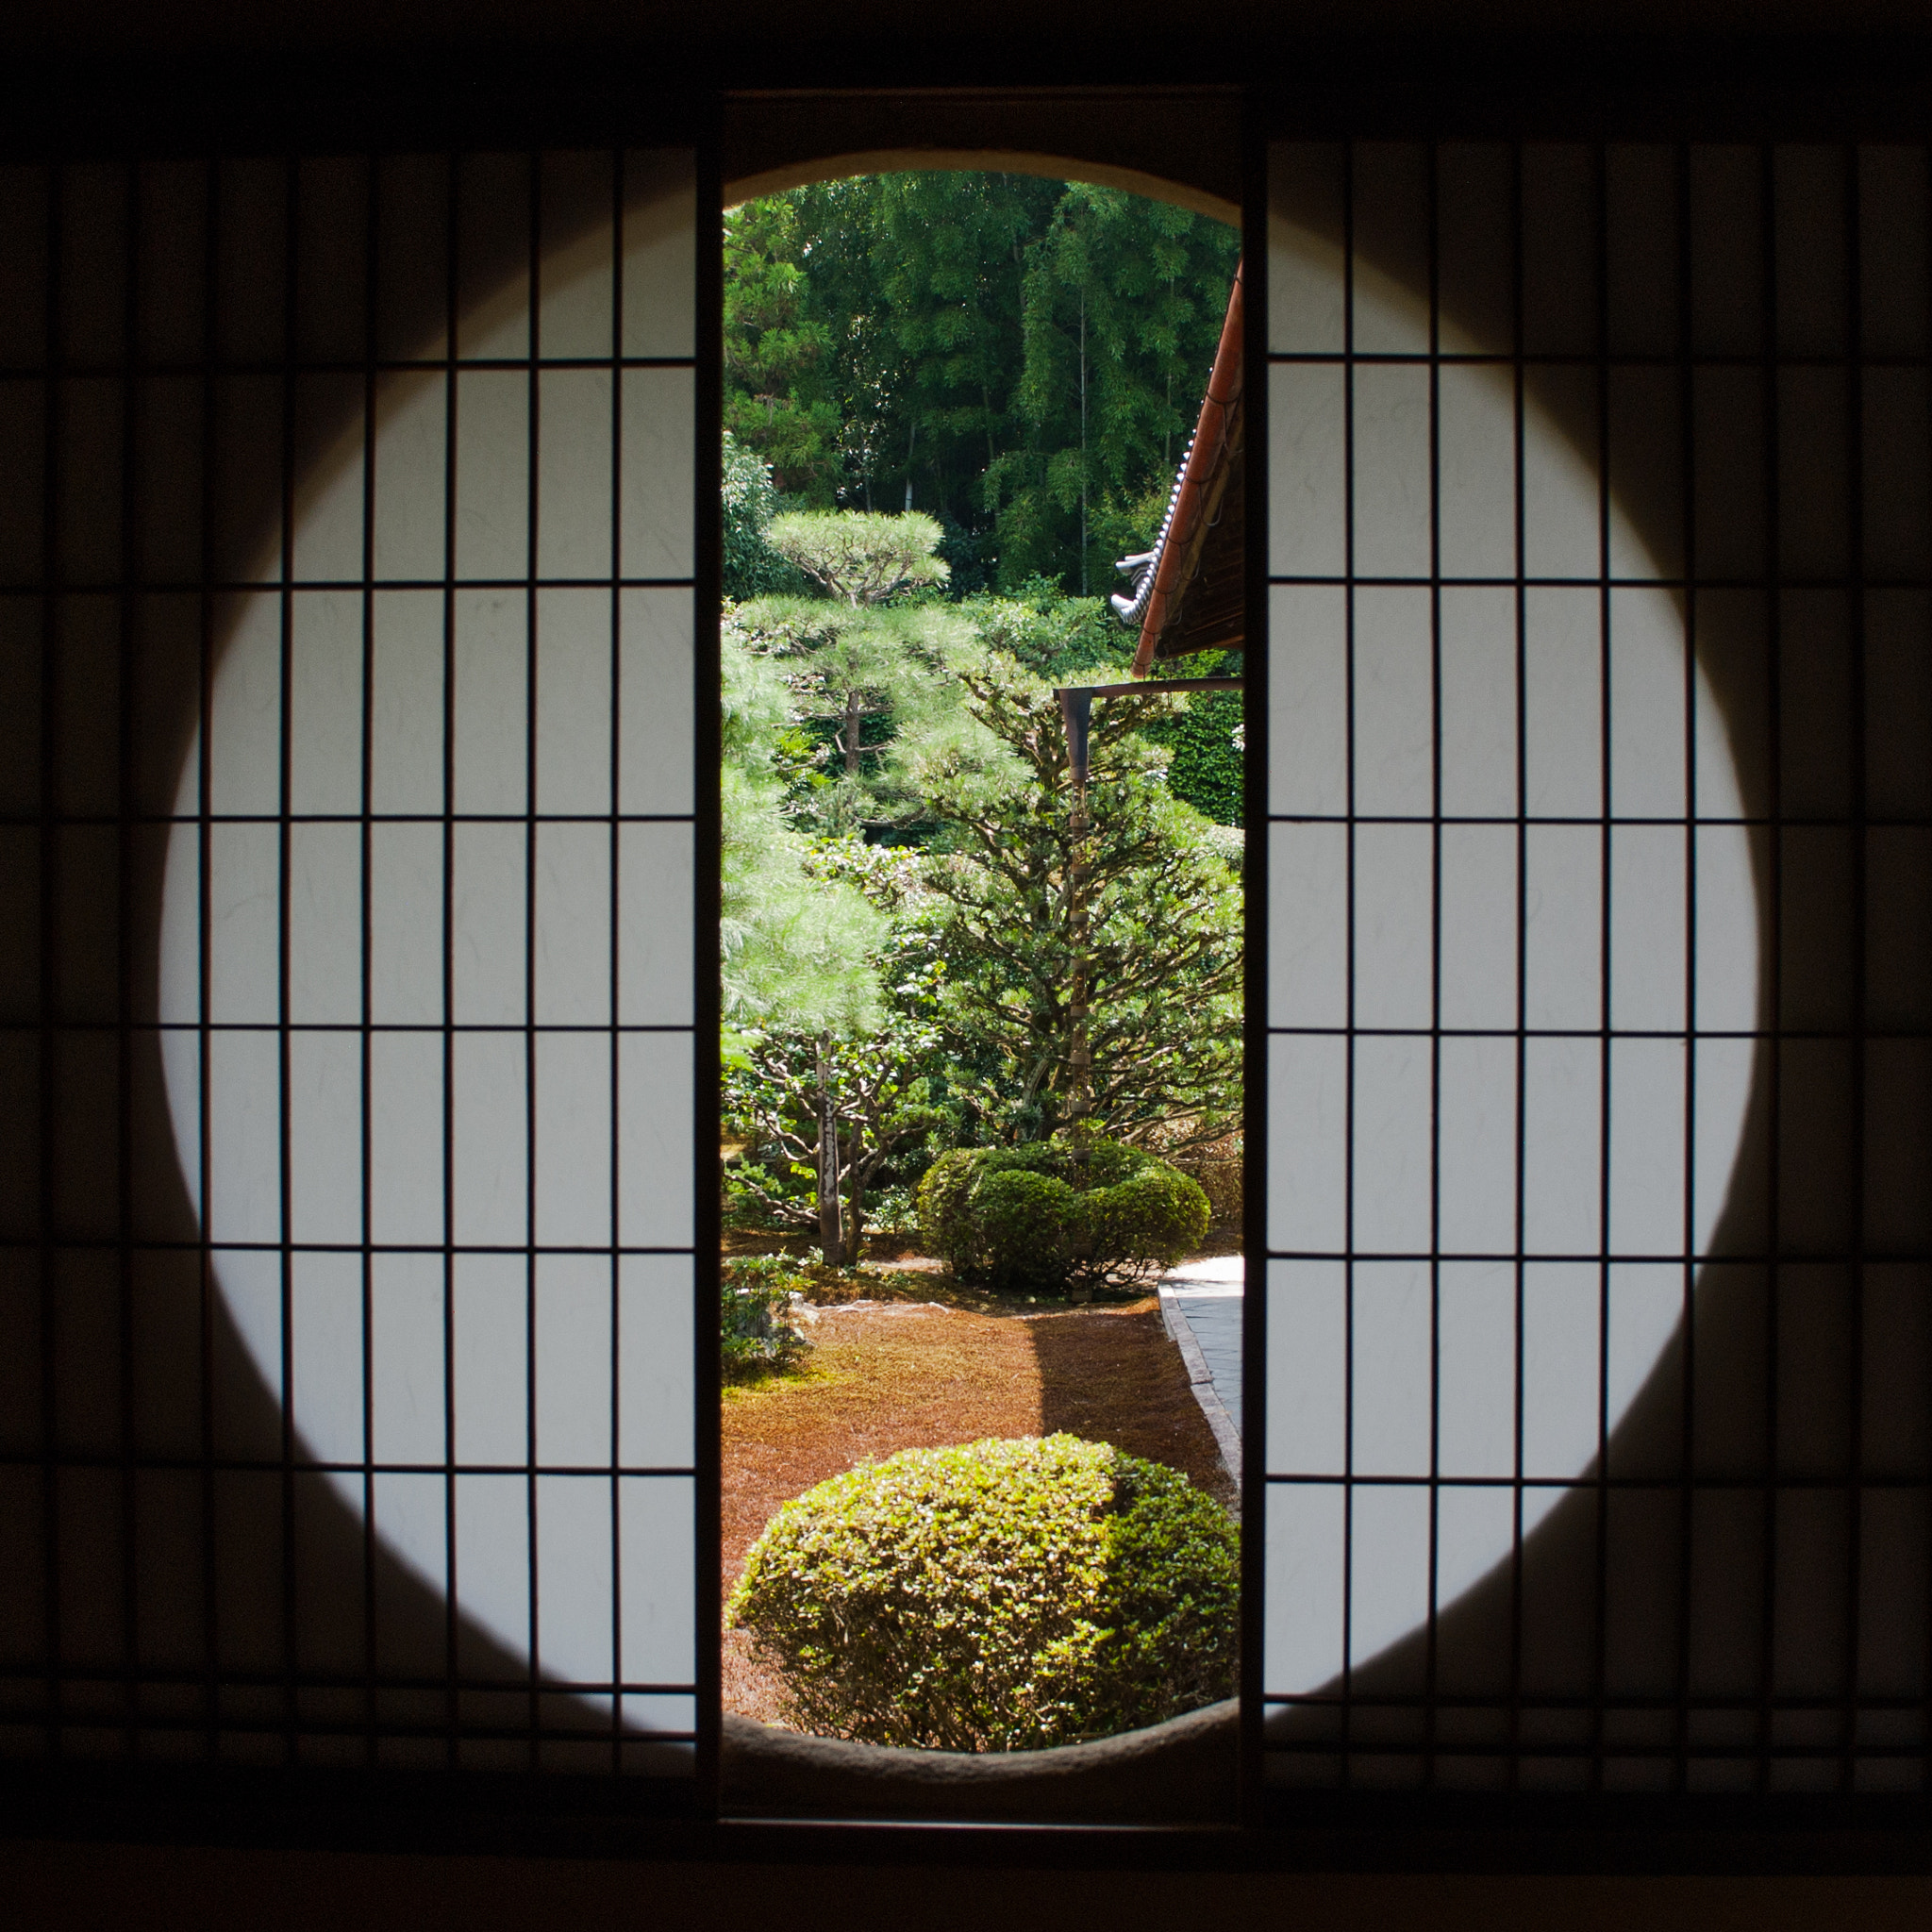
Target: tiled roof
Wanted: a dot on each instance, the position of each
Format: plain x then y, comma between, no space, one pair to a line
1187,592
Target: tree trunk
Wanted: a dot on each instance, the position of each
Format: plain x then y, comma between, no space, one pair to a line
1079,1056
855,1223
831,1235
855,723
1083,443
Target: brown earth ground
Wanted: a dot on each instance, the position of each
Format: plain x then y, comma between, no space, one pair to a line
919,1363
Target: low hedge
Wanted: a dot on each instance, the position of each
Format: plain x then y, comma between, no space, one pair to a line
998,1596
1015,1217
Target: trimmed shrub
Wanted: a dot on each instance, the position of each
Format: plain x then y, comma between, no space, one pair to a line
999,1596
1014,1217
755,1325
1018,1217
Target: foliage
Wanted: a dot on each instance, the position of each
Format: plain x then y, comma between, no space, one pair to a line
884,1002
1028,1216
871,1090
1123,306
863,680
759,1334
1061,640
1164,910
752,567
789,943
859,556
798,949
1002,1595
829,1078
1000,351
778,341
1209,762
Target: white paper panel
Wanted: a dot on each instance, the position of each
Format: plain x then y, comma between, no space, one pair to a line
329,512
655,1201
1394,1345
325,1136
1307,628
405,1129
1476,418
1476,1158
572,1113
406,703
325,703
655,466
490,1357
656,772
489,909
573,1359
490,1146
574,1574
574,480
1395,906
656,1416
1307,925
1307,292
492,506
1393,691
411,475
573,936
657,1519
244,924
1391,461
1478,931
492,670
1307,1186
1308,472
1308,1371
1476,1434
1388,1551
1560,1325
406,1351
574,668
244,1137
660,253
576,300
406,939
325,1342
656,944
1392,1148
1302,1580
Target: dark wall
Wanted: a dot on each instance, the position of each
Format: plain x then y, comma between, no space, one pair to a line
113,1887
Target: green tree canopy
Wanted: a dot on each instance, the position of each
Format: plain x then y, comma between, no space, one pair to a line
750,502
927,340
860,556
1165,931
791,944
867,679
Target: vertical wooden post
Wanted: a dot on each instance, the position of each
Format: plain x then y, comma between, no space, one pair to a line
831,1232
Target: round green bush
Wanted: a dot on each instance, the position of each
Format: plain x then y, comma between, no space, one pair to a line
999,1596
1013,1217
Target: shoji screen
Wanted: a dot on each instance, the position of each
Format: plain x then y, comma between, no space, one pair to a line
348,622
1599,1393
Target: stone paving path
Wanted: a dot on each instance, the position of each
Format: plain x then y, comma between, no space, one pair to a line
1201,1302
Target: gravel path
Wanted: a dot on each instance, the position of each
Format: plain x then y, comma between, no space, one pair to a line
1202,1303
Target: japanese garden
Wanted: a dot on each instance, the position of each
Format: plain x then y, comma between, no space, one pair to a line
981,966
